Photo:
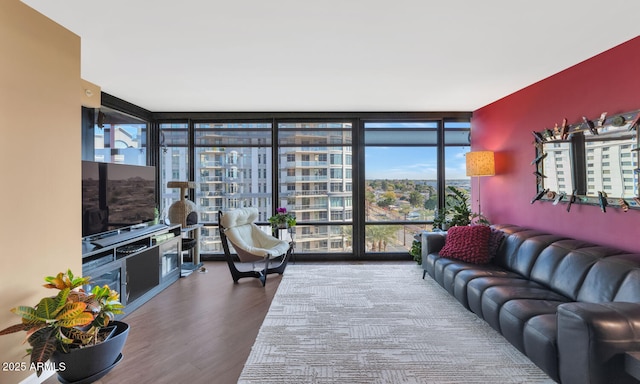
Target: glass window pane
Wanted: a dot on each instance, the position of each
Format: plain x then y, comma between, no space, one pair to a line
457,124
315,183
119,138
174,161
400,181
456,177
172,136
401,185
457,145
391,238
401,124
322,134
385,137
457,137
232,177
233,134
457,133
401,133
321,238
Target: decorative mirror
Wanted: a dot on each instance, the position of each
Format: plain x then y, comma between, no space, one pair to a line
591,162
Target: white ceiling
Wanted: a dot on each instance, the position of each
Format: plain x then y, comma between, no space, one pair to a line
333,55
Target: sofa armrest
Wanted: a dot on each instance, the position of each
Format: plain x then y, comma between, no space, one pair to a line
593,339
432,242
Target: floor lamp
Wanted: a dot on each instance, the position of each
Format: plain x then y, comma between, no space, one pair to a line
480,163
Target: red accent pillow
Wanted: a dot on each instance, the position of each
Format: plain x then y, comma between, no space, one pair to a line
467,243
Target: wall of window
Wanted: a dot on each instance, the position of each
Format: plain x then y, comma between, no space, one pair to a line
310,166
359,183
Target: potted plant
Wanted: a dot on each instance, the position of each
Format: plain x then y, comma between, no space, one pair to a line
75,329
416,250
282,219
457,211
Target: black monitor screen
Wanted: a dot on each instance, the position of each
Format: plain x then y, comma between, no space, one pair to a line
94,216
116,195
130,194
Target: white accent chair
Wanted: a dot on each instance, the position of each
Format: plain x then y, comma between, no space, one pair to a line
251,244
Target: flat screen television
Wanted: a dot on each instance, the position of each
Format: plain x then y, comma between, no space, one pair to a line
116,196
94,215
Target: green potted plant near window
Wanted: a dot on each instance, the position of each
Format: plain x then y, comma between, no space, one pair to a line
75,329
457,211
282,219
416,250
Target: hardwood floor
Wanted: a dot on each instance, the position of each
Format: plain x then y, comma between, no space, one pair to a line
199,330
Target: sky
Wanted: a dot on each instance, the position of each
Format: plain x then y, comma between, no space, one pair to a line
413,163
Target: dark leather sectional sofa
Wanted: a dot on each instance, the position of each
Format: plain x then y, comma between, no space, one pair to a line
571,307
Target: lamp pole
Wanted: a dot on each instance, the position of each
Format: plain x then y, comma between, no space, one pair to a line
479,201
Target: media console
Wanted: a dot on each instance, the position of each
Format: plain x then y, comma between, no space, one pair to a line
138,261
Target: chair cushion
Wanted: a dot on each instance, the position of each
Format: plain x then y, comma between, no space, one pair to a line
467,243
248,240
239,216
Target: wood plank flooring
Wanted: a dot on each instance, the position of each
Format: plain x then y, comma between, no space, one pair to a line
199,330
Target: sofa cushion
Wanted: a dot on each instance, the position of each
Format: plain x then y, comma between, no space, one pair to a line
467,243
541,343
515,314
464,277
495,239
605,279
477,286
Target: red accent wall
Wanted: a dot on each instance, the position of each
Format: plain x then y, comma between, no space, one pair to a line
608,82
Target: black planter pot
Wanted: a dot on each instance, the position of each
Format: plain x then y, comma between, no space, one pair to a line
86,365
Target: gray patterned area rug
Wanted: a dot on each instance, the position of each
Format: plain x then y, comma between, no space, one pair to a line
377,323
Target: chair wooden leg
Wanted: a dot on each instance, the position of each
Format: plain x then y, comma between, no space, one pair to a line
237,274
265,272
279,269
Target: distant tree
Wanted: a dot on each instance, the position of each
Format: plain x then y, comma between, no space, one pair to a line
422,188
388,198
405,185
431,203
369,198
430,190
389,195
416,199
380,236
